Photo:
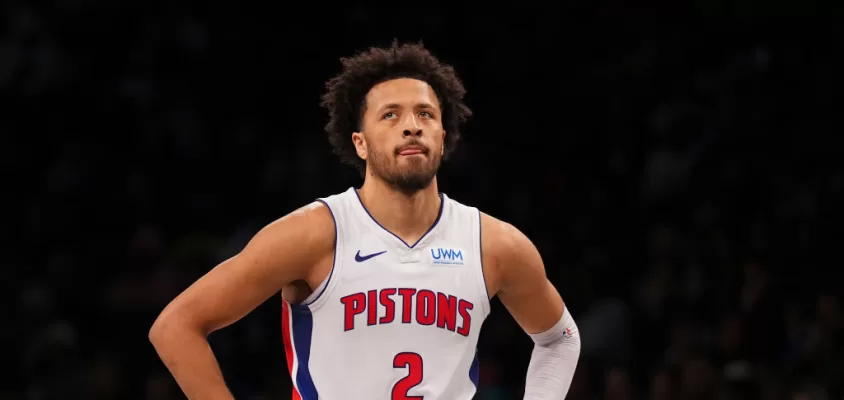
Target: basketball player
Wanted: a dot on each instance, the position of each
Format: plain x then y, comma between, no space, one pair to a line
384,288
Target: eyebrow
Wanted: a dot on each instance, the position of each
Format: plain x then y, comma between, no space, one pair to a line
393,106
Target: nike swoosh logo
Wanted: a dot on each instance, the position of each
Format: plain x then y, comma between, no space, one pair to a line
360,258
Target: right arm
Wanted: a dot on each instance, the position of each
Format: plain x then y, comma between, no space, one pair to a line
281,253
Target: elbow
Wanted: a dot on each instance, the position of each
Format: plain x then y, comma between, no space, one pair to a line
168,326
158,331
173,326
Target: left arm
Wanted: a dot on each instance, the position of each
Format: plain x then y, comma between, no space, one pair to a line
518,278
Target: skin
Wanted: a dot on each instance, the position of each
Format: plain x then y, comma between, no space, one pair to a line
295,253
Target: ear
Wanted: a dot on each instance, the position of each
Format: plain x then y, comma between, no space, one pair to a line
442,153
360,145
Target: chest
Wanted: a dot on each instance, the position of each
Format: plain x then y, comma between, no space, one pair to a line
445,265
433,285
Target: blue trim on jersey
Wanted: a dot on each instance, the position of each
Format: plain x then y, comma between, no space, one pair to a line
333,263
303,326
475,370
481,252
436,221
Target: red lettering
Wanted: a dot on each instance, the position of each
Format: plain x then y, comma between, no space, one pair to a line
354,304
413,363
389,304
372,310
463,308
426,307
446,312
406,304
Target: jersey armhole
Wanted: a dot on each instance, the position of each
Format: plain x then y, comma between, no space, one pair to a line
482,275
323,291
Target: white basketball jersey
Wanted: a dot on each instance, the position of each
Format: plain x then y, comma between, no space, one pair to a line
393,320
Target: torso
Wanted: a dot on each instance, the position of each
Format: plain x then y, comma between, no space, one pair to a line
389,319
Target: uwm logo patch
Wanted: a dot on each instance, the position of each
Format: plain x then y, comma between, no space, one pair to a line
446,256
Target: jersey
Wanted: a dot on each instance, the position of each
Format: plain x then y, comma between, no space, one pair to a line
393,320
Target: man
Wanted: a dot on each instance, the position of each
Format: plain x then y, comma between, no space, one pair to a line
385,288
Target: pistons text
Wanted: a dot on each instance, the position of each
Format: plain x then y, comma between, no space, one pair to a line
424,307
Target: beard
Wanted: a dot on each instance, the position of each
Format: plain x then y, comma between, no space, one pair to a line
408,177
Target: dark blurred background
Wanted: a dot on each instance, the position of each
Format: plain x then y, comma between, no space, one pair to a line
680,179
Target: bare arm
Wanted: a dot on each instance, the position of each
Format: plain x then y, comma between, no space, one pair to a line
519,276
281,253
522,286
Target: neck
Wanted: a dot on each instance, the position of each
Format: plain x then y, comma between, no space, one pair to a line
407,216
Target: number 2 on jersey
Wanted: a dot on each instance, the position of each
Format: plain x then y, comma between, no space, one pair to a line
413,363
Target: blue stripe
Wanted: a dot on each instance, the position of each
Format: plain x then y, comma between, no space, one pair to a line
475,370
481,253
303,324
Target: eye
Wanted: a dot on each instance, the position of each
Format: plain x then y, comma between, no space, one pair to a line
389,115
426,114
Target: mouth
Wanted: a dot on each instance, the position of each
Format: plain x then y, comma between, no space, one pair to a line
411,150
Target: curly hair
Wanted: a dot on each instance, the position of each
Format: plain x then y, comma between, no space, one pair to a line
345,97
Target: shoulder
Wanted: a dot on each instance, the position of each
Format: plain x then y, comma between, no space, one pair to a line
301,238
504,239
309,222
506,252
498,238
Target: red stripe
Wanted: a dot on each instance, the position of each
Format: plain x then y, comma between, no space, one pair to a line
288,343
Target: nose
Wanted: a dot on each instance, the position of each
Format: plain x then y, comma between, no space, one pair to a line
411,126
412,132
